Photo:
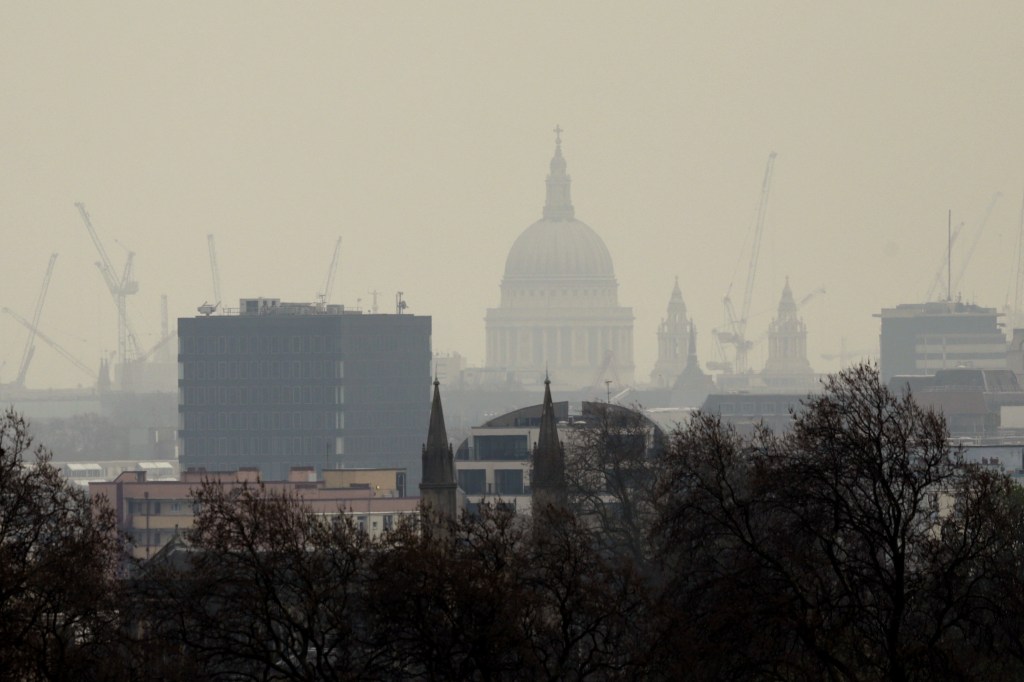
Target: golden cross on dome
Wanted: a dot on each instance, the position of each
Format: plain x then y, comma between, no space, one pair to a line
558,134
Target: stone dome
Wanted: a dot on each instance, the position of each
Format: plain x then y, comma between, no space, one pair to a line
558,246
559,249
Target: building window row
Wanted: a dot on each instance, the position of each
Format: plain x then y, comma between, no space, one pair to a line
262,421
263,344
261,395
223,370
315,448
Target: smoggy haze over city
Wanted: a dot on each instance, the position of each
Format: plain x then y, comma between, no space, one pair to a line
421,134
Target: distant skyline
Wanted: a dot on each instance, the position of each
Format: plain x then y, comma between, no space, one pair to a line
421,135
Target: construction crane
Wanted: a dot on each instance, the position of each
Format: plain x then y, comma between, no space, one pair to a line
736,335
56,346
120,288
807,299
159,345
941,273
324,297
30,348
1018,292
974,244
214,271
845,354
165,332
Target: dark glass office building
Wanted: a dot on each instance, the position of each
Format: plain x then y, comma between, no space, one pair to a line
277,385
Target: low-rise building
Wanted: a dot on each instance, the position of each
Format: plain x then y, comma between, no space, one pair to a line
152,512
494,464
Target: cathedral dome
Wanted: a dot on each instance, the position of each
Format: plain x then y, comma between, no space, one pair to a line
558,246
559,309
558,249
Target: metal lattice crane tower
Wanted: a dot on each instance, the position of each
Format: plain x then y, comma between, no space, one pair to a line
56,346
214,270
30,349
955,285
324,297
120,288
1018,294
737,334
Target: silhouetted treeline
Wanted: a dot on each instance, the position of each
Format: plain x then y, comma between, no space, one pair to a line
858,546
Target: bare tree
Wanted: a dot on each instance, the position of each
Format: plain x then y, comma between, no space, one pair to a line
269,589
847,549
610,465
59,556
450,605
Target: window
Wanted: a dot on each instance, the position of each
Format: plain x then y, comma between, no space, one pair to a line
472,481
508,481
501,447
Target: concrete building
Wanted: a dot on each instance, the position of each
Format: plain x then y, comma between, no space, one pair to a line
498,462
973,401
152,512
747,410
559,307
281,385
921,338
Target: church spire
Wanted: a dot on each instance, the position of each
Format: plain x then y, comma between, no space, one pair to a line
438,488
559,202
438,465
548,479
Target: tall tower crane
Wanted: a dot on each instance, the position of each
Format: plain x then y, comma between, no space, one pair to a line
324,297
56,346
120,289
30,349
1018,291
214,270
941,273
974,243
736,335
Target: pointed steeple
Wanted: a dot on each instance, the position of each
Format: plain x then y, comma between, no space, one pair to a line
548,479
787,304
672,343
438,461
676,305
693,385
787,363
558,205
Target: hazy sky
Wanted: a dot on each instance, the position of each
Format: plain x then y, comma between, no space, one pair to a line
421,134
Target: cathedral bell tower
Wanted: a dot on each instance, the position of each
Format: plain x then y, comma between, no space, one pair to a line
673,342
787,345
